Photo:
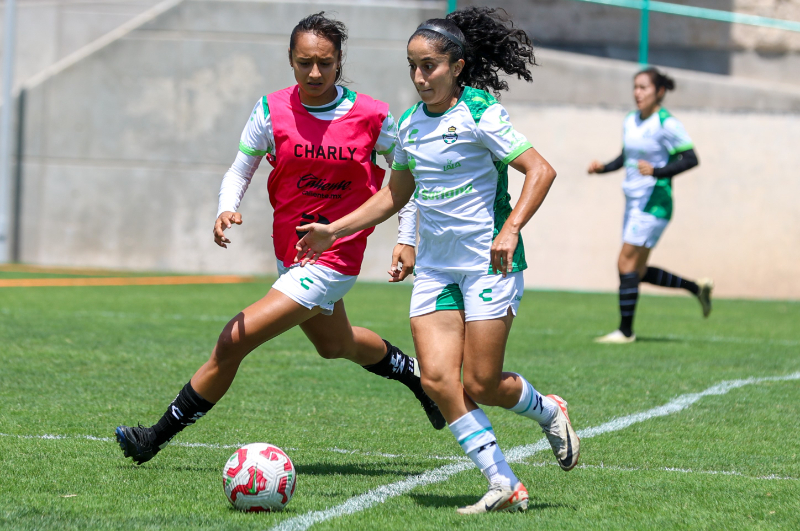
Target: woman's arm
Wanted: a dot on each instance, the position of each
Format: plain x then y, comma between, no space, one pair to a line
686,161
377,209
597,167
234,185
539,176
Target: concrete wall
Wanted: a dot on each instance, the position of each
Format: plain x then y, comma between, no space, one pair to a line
49,30
736,217
680,42
125,149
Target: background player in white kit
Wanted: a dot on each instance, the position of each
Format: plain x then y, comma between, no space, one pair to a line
655,148
454,149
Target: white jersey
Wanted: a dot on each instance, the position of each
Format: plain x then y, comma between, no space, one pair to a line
657,140
459,160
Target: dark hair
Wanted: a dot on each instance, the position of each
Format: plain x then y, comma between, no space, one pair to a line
322,26
490,43
658,79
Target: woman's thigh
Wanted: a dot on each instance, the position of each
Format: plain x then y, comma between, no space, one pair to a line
270,316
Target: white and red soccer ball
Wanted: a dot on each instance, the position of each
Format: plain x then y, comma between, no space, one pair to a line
259,477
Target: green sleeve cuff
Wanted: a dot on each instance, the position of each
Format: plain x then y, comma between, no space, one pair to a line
391,148
399,167
247,150
681,148
525,146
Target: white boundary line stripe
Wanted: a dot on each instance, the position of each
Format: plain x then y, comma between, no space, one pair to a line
428,457
771,477
217,446
518,453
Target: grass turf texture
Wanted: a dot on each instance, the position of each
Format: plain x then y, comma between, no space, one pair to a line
80,361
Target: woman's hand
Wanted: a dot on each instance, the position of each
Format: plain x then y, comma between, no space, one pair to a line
403,259
595,167
503,249
225,221
318,239
645,168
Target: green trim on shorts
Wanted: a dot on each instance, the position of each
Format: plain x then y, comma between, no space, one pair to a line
660,202
450,298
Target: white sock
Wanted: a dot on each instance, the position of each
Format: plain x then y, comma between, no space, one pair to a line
474,433
534,405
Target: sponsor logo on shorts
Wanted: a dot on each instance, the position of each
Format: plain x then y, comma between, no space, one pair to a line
303,282
484,294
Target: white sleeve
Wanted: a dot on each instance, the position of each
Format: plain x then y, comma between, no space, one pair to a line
675,136
386,140
257,137
499,136
235,182
407,231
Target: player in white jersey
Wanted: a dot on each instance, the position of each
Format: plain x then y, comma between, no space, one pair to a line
453,152
655,148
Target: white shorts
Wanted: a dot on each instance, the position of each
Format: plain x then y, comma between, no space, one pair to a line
481,297
313,285
640,228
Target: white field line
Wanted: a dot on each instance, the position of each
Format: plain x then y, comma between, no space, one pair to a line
770,477
517,453
217,446
455,458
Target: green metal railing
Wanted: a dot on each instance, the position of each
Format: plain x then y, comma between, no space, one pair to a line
646,6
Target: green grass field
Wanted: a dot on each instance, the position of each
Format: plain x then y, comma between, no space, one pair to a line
76,362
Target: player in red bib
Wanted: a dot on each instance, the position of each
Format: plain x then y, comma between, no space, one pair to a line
320,139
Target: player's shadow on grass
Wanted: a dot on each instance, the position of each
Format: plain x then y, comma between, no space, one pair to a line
434,500
657,339
360,469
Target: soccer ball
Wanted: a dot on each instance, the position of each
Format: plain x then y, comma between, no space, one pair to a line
259,477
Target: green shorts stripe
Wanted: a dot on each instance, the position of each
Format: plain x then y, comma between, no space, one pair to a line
450,298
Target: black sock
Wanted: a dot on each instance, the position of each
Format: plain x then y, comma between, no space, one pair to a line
184,411
395,366
659,277
628,294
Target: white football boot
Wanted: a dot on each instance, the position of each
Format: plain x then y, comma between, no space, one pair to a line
499,499
706,286
615,337
563,440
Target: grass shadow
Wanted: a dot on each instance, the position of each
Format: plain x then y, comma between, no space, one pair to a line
435,500
657,339
351,469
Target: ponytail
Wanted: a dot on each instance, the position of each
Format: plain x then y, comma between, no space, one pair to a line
487,41
658,79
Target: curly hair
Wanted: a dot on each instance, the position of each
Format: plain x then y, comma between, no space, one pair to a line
489,43
322,26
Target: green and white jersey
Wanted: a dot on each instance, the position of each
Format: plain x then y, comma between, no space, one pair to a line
459,160
657,140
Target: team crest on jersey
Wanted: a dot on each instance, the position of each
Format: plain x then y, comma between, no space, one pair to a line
450,136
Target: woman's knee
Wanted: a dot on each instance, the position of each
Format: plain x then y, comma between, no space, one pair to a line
482,391
439,386
230,345
334,351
